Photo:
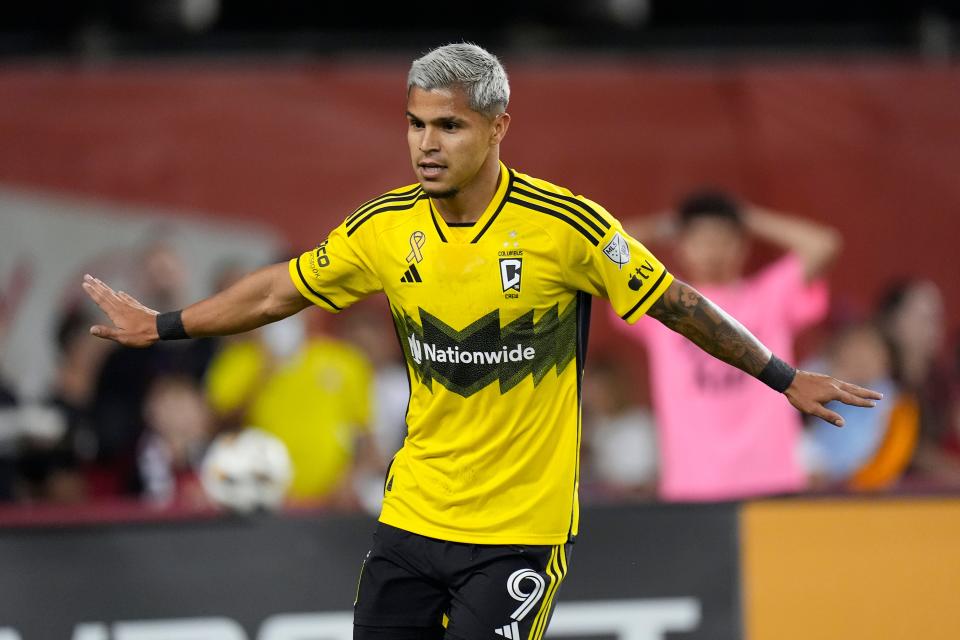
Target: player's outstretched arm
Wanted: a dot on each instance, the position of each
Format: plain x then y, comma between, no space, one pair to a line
684,310
257,299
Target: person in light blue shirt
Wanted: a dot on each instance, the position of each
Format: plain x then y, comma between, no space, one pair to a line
858,353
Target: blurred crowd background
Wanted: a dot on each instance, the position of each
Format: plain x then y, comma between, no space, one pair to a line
795,162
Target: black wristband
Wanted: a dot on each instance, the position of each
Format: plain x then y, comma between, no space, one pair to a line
170,326
777,375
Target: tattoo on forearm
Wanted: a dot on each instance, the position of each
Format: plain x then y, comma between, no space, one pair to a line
684,310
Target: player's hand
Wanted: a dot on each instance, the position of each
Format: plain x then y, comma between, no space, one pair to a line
811,391
134,325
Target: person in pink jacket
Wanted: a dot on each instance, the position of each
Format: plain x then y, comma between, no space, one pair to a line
721,435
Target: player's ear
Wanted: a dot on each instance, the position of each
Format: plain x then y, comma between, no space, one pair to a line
501,122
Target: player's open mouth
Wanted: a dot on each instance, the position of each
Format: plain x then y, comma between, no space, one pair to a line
431,170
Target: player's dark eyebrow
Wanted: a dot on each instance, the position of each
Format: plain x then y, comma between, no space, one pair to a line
442,120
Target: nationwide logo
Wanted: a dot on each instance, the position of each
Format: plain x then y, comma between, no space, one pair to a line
467,360
431,353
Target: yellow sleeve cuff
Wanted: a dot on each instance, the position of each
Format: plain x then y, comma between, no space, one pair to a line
307,291
652,294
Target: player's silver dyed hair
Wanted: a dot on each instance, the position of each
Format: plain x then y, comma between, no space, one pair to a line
467,66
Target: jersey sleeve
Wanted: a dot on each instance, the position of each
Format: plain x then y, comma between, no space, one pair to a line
617,267
337,273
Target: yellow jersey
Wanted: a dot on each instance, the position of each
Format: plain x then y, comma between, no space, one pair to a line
318,402
493,318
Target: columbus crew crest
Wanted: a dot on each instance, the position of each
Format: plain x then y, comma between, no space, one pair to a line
510,273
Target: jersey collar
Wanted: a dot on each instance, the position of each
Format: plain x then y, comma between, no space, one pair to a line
474,233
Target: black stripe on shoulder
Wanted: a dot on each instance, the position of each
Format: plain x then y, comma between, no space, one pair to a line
561,205
314,291
376,210
387,197
436,225
649,293
560,216
506,196
580,203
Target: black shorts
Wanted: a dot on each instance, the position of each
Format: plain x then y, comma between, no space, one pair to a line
413,587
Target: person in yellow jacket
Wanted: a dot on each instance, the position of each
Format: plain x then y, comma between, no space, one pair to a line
313,393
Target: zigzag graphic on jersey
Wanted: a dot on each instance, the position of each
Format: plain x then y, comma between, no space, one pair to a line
468,360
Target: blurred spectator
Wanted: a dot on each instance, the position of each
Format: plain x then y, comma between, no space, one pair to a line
9,423
722,434
619,439
370,330
911,315
8,434
952,446
51,468
126,377
164,277
179,427
312,393
872,449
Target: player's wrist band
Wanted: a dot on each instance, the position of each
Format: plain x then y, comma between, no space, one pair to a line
778,375
170,326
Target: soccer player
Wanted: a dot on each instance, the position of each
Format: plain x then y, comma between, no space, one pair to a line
489,273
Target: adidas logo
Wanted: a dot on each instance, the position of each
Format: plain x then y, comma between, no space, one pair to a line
509,631
411,275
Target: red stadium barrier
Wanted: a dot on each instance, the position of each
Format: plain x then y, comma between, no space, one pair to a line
870,147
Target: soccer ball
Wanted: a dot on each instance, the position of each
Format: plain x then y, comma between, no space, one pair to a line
247,471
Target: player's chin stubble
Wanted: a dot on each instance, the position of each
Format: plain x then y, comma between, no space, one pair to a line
442,195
